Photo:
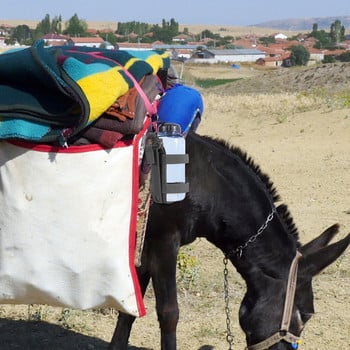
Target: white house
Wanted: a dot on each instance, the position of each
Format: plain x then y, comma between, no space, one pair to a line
227,56
281,36
89,41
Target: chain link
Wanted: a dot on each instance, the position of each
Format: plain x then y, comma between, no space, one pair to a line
239,251
229,336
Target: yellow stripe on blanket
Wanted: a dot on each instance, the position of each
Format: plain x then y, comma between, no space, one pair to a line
156,62
102,89
130,62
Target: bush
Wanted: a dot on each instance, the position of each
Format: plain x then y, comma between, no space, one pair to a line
345,57
328,59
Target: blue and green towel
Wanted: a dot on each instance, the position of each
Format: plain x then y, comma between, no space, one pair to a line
52,93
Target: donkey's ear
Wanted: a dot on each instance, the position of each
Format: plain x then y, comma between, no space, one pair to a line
321,241
315,262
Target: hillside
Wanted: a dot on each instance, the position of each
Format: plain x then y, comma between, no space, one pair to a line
332,78
305,24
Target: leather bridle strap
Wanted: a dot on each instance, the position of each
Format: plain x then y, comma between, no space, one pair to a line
283,333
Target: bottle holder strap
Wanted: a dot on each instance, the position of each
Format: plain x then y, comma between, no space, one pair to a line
176,188
157,158
177,158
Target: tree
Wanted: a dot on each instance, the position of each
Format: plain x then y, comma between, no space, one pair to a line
109,37
22,34
139,28
44,26
76,26
207,34
266,40
328,40
166,32
299,56
56,25
323,40
337,32
10,41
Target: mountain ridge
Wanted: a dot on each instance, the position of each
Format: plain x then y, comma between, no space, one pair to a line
305,24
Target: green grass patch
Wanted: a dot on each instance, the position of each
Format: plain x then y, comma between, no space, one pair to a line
208,83
187,265
345,99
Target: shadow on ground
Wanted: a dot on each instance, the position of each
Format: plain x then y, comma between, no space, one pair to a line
38,335
204,347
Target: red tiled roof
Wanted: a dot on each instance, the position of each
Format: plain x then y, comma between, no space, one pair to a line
134,45
245,43
333,52
92,31
313,50
54,37
80,40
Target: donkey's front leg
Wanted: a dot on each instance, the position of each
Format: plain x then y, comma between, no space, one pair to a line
163,275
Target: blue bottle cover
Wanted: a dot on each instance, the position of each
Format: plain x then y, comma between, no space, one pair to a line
182,105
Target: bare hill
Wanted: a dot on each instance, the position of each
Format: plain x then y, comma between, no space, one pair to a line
329,78
305,24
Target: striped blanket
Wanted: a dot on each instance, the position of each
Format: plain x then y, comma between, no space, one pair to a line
51,93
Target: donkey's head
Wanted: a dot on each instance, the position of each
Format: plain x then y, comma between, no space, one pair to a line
274,316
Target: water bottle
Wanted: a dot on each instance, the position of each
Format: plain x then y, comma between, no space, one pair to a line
174,144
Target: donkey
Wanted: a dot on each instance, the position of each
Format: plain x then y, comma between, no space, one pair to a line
235,206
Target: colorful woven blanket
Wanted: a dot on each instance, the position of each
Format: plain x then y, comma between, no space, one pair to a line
51,93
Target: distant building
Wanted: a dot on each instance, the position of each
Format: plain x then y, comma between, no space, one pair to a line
178,51
281,36
95,41
227,56
182,38
55,39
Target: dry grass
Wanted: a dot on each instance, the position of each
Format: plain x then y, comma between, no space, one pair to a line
262,106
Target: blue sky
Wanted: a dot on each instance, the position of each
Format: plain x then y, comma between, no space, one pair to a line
221,12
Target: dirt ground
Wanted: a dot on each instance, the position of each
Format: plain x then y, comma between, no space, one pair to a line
296,125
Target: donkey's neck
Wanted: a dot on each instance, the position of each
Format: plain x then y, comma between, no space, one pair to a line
268,257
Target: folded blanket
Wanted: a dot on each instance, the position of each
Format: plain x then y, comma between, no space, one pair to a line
56,92
111,126
105,138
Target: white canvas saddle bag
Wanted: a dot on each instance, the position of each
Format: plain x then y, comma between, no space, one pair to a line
67,225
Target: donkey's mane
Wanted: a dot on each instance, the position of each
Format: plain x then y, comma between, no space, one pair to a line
282,209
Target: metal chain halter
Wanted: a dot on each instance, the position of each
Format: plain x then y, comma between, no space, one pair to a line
283,333
229,336
238,251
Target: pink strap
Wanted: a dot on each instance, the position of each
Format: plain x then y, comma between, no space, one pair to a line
151,109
